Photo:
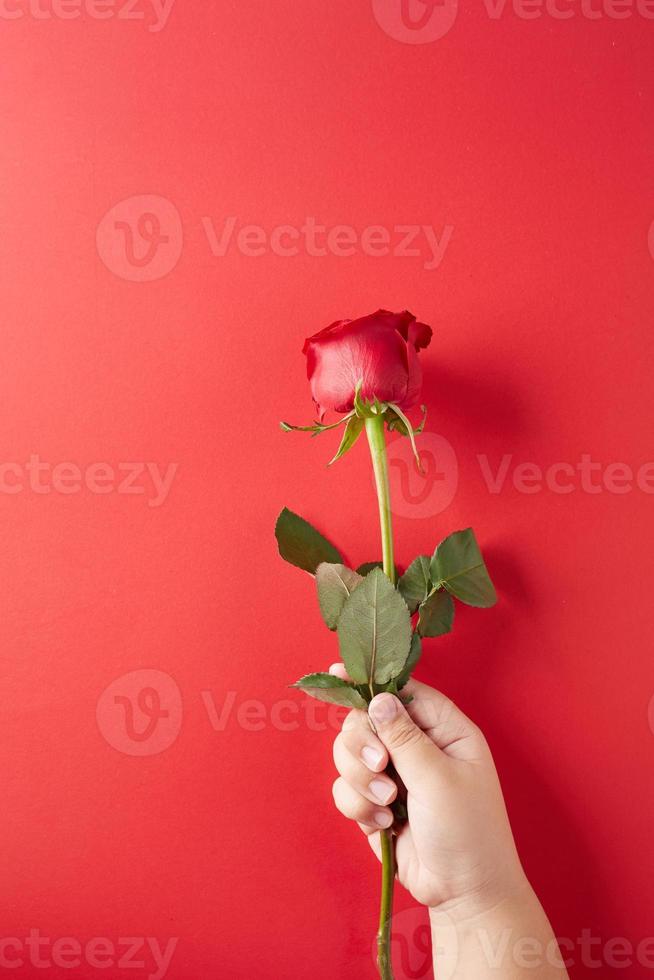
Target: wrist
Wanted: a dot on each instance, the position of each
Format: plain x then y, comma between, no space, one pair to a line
504,934
485,902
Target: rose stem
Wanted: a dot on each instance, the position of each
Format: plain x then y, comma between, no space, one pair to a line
377,443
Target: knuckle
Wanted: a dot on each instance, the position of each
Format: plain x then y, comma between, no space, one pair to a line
368,829
405,735
353,806
352,721
344,751
363,810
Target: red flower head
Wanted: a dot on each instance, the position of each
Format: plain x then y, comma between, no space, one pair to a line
379,351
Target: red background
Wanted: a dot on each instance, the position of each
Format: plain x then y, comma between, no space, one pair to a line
532,138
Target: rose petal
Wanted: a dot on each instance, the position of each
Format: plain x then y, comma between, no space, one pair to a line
379,350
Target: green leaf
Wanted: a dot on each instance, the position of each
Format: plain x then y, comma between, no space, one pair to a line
409,430
335,584
415,584
421,427
395,423
367,409
436,614
414,656
374,631
301,545
459,566
316,427
326,687
361,407
353,430
369,565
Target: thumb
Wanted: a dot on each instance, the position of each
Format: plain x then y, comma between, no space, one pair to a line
412,752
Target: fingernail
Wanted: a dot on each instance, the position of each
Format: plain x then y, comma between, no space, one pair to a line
383,819
383,708
381,790
372,757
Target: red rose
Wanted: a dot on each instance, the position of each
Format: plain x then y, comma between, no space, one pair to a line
380,350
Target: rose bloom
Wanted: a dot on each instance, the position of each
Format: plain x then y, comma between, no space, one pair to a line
379,350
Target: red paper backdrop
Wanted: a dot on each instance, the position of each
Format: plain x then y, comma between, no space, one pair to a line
522,139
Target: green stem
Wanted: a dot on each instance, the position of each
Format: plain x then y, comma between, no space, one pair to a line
377,443
384,964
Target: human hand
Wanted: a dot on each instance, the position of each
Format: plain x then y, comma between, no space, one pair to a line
456,849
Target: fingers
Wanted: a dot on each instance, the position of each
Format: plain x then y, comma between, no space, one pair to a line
417,759
445,724
363,791
439,717
360,758
418,739
354,806
358,739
